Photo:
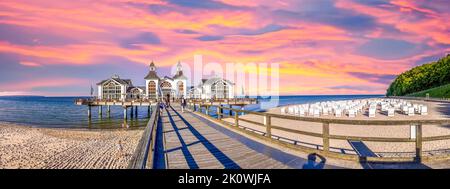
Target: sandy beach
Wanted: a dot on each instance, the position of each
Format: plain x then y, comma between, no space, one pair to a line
384,149
44,148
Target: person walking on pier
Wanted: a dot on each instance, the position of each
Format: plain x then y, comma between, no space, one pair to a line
183,104
162,105
168,99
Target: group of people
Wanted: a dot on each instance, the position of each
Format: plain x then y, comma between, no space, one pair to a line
166,103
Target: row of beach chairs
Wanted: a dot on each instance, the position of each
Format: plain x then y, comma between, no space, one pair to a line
352,108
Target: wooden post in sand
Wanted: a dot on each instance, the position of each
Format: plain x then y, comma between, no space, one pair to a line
108,110
207,110
89,112
131,112
326,137
419,142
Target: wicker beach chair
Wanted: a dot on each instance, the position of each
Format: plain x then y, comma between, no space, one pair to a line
391,111
372,111
410,111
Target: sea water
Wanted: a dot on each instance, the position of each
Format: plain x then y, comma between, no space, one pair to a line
55,112
40,111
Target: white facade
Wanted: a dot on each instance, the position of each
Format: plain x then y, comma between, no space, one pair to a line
214,88
156,87
122,89
113,88
175,86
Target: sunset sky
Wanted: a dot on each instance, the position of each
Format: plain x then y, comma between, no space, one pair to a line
61,48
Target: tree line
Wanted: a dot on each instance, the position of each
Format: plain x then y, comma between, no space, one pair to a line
422,77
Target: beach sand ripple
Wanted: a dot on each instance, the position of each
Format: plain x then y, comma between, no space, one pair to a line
36,148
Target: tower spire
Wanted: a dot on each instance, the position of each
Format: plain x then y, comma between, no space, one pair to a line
152,66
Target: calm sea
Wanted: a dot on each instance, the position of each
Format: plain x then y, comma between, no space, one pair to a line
62,112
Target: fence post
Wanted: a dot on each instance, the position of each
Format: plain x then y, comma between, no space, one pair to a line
326,136
267,123
419,142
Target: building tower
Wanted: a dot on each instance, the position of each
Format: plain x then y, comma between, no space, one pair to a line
180,80
151,82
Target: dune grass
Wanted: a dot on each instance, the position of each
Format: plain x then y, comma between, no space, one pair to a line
437,92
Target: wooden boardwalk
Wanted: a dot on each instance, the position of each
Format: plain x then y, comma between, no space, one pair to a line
190,143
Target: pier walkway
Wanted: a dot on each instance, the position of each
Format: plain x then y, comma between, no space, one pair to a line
193,142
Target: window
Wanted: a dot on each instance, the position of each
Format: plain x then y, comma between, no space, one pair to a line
152,89
135,93
219,89
111,90
166,88
180,88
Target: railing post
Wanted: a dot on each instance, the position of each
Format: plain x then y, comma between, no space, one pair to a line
207,110
267,123
236,118
326,136
419,142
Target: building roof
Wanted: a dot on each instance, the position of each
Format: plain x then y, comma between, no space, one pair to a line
167,77
215,79
117,79
179,75
152,75
133,87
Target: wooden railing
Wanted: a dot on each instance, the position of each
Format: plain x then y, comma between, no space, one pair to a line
326,136
143,155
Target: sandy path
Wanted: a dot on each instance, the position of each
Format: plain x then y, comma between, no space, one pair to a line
25,147
436,111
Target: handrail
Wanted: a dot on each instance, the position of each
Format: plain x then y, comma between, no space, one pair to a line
143,155
326,136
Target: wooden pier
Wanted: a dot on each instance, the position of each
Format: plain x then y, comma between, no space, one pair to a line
196,139
133,104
